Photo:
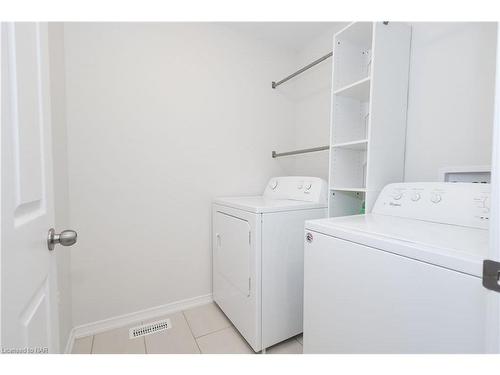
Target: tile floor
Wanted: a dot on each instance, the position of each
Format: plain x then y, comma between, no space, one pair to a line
204,329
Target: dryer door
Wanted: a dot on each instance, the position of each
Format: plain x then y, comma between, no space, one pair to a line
232,251
236,270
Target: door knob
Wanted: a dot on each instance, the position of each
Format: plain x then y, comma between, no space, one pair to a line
65,238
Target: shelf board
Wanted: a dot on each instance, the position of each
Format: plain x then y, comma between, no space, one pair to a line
360,190
353,145
359,90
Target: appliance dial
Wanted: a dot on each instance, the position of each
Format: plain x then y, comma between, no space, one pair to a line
397,195
435,198
308,186
415,197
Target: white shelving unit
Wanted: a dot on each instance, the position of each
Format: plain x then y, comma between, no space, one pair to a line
368,122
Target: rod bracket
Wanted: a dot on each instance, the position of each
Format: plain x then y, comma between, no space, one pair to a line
273,84
273,154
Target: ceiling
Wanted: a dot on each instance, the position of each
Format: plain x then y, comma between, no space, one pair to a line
291,35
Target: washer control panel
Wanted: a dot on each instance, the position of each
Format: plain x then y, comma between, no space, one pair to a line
301,188
466,204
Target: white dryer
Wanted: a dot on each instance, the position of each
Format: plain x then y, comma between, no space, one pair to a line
405,278
258,257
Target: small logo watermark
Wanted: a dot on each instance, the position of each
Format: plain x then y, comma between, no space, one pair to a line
26,350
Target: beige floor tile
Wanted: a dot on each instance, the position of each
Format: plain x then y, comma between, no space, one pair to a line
82,345
206,319
300,338
226,341
117,341
176,340
290,346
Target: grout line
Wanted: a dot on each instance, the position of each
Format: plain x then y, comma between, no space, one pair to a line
297,338
142,322
245,341
191,331
231,325
217,330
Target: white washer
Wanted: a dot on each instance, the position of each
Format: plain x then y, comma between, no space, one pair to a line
405,278
258,257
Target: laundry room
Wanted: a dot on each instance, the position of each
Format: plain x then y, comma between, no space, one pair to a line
250,187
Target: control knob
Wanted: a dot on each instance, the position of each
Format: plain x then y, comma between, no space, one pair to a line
435,198
415,197
397,196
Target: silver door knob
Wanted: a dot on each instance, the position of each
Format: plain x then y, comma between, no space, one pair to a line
65,238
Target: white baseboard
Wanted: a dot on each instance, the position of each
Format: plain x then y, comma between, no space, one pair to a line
135,317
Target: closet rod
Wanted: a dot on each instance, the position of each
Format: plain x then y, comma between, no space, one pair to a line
296,152
315,62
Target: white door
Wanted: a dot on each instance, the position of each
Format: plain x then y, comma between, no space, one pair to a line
28,279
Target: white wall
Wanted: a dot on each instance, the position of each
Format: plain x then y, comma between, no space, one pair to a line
60,173
311,92
162,118
450,108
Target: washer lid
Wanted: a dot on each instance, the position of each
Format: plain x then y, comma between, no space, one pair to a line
261,204
451,246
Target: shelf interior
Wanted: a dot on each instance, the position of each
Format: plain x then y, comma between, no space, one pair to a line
352,54
348,168
343,203
358,33
350,119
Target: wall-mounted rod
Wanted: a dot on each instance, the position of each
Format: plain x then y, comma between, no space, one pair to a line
303,151
302,70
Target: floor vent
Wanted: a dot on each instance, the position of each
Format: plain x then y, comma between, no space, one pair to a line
150,328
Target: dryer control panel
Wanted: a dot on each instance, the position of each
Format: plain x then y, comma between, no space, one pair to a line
466,204
300,188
